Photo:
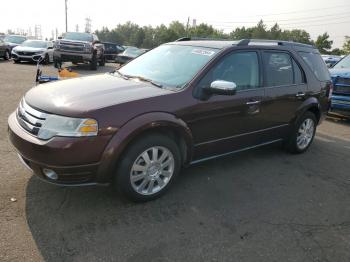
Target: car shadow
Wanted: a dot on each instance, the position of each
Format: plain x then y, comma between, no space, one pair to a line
211,203
84,69
340,119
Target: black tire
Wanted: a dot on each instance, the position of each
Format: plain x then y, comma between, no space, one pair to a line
47,59
291,145
122,180
93,63
7,55
57,63
16,61
103,60
75,63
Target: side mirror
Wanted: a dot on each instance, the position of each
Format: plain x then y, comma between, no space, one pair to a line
60,37
222,87
96,42
50,47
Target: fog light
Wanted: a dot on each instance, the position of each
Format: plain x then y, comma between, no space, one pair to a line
50,174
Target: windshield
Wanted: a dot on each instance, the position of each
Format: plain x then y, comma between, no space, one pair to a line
37,44
78,36
133,52
14,39
169,65
344,63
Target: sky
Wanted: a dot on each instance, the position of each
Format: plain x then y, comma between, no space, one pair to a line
314,16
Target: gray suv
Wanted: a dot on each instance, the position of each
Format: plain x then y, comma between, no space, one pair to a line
77,48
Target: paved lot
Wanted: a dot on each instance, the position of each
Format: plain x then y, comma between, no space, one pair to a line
262,205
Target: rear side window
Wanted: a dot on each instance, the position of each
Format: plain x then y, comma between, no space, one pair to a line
278,69
299,77
316,64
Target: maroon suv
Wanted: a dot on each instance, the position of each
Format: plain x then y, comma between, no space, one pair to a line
181,103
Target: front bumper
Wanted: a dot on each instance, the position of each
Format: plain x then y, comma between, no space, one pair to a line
77,57
32,58
75,160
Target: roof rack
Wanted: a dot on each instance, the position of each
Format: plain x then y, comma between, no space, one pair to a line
246,42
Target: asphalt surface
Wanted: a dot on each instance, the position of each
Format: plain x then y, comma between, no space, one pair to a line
261,205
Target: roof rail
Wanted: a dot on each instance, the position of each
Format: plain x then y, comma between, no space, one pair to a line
188,38
245,42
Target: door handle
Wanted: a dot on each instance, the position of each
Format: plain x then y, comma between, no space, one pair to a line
300,94
250,103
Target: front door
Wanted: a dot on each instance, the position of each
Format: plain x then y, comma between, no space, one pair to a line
222,123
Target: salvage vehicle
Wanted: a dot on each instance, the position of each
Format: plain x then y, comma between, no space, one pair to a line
32,50
340,73
77,48
5,50
14,40
179,104
112,50
129,54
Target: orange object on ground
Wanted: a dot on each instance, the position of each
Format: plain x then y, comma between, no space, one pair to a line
67,73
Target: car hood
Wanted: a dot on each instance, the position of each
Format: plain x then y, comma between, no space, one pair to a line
28,49
75,97
341,72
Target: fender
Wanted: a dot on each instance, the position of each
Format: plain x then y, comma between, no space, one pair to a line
125,134
310,102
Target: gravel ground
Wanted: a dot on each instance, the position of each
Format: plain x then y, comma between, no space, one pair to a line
261,205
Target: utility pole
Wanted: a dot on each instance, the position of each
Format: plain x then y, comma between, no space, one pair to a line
65,5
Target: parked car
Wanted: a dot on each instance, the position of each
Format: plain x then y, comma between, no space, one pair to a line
129,54
32,50
112,50
340,72
181,103
77,48
330,60
14,40
5,50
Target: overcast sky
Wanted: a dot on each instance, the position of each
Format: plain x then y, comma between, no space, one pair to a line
315,16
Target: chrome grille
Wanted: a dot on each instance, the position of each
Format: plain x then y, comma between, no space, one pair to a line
73,47
29,118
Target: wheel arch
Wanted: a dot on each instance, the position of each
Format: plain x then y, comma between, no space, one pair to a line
313,105
156,122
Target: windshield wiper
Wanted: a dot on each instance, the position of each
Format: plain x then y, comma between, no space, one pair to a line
120,74
141,78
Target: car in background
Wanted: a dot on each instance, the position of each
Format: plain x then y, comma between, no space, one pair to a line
14,40
112,50
33,50
5,50
340,100
331,60
2,37
79,47
129,54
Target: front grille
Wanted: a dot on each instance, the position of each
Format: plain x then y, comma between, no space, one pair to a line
29,118
341,89
341,80
26,53
72,47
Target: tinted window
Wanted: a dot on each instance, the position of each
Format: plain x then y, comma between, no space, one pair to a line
278,69
316,64
77,36
299,77
241,68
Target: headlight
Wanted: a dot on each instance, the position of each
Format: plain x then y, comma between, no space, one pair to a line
67,126
88,48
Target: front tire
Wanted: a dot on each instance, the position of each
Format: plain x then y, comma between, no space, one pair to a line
93,63
103,60
7,55
148,168
302,134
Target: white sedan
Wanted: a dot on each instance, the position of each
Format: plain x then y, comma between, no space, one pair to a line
32,50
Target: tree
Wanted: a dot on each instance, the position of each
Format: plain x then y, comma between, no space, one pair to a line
323,43
346,46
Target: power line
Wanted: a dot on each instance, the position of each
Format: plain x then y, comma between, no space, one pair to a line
271,21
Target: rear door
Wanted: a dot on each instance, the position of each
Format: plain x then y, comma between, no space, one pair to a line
285,88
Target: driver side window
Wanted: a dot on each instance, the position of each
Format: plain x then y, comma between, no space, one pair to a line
242,68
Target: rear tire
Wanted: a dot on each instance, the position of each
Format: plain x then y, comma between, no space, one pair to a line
148,168
7,55
302,134
93,63
103,60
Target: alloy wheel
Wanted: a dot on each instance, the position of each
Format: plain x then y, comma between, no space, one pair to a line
305,133
152,170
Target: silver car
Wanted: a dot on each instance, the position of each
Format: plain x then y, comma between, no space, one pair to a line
32,50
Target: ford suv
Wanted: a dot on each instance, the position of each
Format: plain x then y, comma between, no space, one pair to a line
77,48
179,104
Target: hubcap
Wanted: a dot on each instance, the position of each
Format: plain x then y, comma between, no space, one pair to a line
305,133
152,170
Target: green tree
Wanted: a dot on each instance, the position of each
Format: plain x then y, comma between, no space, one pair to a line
346,46
323,43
